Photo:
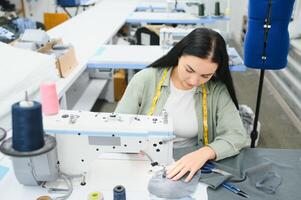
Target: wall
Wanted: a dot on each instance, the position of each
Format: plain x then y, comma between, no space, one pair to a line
238,8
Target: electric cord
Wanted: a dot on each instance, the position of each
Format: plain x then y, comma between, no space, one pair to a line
69,184
66,191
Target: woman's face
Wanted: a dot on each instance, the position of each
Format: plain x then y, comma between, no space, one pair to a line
193,71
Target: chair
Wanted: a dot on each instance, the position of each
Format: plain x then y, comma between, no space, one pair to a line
145,36
53,19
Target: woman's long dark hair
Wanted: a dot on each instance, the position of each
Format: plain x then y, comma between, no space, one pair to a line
203,43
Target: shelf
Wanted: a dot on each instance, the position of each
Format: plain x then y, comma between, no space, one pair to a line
90,95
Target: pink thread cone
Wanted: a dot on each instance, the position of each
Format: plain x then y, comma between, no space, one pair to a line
49,98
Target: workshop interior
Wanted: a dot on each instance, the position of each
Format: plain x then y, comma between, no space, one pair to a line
67,67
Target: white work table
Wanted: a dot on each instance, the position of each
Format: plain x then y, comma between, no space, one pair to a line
170,18
103,177
125,56
104,182
136,57
89,29
157,6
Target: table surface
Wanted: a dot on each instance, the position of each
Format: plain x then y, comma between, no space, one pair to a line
103,176
171,18
135,57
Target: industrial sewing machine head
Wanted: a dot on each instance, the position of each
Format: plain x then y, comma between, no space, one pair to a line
83,137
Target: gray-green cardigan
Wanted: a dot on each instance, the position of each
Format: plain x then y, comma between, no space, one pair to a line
226,133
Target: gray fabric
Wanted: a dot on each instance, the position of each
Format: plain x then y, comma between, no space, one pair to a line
269,182
269,174
165,188
247,116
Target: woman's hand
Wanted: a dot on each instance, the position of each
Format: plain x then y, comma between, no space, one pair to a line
191,163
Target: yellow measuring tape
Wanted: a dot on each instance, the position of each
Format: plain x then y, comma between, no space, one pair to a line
205,114
158,93
204,105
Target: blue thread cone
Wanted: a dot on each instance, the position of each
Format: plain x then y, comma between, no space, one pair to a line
119,193
27,124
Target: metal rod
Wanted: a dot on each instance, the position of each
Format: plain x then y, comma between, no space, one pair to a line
254,132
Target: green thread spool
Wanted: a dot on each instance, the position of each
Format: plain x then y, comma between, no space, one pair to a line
201,10
217,11
95,196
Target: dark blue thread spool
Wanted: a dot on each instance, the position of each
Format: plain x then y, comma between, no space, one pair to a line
217,11
27,124
119,193
201,9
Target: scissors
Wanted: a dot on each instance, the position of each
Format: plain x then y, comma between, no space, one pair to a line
209,167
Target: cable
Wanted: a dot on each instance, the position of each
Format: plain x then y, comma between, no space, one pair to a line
68,191
68,181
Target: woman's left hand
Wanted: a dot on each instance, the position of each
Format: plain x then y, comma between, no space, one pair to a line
191,163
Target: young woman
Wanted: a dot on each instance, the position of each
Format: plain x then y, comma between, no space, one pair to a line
192,82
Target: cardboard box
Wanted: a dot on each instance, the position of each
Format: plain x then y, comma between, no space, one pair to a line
120,84
66,62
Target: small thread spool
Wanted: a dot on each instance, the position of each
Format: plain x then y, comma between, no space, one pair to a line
119,193
201,9
95,196
49,98
217,11
44,198
27,126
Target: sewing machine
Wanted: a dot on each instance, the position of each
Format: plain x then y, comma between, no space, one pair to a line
169,36
83,136
36,36
189,6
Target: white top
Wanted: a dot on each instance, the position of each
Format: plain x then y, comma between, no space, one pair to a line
180,107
